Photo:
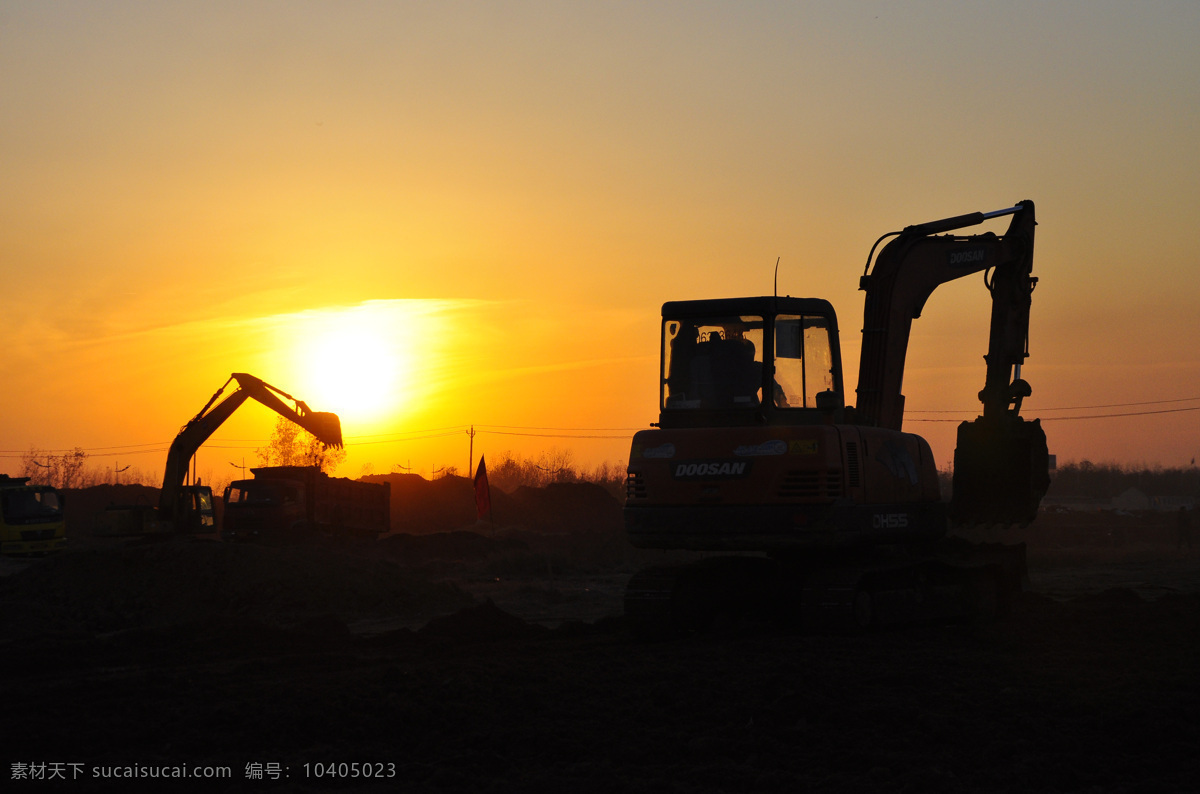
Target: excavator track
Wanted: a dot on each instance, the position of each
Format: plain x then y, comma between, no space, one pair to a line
674,600
952,583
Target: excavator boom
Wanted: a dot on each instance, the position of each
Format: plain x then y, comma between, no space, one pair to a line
907,272
1001,461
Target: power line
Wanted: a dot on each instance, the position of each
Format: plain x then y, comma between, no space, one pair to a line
1107,416
569,429
1092,416
448,429
598,433
550,435
1076,407
11,454
403,440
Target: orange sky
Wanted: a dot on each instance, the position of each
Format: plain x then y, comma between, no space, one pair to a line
496,200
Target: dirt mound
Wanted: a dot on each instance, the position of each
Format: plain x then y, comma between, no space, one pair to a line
1112,598
567,507
82,506
142,585
421,506
460,545
484,622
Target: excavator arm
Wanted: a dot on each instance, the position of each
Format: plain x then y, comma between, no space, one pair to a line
1001,461
907,272
326,427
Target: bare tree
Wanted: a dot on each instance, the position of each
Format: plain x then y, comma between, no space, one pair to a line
509,472
291,445
557,465
59,471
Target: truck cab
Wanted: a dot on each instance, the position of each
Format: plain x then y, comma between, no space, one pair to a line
31,517
264,511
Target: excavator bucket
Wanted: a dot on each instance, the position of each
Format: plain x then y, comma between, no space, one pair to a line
325,426
1001,471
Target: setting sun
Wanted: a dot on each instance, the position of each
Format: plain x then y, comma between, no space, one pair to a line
356,362
355,372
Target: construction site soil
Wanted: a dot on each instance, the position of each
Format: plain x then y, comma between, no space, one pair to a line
456,656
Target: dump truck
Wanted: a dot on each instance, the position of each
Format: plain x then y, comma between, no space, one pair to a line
288,503
818,511
31,518
187,507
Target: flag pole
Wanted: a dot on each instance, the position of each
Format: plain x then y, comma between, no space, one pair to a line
483,495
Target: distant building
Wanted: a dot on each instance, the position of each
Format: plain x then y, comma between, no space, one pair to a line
1075,504
1131,499
1171,504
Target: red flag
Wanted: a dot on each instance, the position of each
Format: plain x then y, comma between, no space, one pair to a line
483,495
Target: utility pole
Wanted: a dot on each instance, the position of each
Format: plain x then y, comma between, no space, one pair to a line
117,471
46,466
471,451
242,466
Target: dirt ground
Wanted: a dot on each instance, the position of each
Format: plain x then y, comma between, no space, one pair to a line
484,659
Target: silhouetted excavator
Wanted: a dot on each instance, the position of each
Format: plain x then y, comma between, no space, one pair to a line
830,513
188,508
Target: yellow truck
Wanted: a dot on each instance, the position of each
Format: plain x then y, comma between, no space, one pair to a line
31,517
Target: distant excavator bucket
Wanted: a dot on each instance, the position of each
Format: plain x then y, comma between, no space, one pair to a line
326,426
1001,471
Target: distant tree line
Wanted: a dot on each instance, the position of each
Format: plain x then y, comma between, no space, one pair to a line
73,469
1089,480
291,446
508,472
64,470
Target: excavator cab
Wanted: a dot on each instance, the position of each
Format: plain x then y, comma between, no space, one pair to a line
749,361
712,363
194,510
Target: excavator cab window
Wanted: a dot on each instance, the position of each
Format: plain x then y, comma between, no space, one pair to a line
803,360
712,363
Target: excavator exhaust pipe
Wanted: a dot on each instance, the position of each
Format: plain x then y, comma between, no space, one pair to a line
1001,471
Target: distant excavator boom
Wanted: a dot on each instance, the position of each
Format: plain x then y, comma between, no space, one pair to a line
326,427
